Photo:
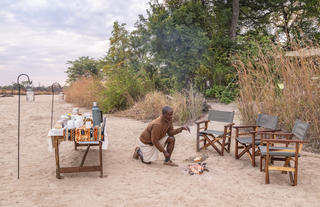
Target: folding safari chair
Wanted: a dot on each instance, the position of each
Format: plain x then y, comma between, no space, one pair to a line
212,137
286,154
248,140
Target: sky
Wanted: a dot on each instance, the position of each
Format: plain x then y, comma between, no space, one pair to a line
38,37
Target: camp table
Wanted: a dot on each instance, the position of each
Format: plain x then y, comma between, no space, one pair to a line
81,137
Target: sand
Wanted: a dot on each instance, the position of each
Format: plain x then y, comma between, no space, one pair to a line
128,182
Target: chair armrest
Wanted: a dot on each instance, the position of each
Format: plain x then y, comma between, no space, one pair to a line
265,131
283,141
282,134
229,125
244,126
203,121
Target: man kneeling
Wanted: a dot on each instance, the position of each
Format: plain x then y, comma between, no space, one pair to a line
154,139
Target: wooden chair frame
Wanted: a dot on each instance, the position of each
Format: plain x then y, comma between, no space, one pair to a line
270,135
219,143
293,171
253,146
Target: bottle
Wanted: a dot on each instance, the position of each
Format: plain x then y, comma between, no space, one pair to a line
96,115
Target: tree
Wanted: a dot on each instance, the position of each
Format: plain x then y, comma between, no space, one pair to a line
179,40
82,66
123,83
234,19
285,20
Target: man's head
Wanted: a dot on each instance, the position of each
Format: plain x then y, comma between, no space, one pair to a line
167,113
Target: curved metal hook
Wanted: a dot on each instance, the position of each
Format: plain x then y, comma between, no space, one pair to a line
24,75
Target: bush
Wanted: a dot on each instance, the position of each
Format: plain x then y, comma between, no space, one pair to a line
187,106
225,94
286,86
122,89
84,91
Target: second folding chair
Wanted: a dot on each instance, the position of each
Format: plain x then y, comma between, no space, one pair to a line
248,141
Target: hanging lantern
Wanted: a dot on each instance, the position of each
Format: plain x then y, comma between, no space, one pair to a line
61,96
30,95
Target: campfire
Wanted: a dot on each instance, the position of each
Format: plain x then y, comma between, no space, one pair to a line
197,168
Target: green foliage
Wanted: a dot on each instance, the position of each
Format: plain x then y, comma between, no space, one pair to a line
123,84
83,66
215,91
179,41
123,88
285,20
225,94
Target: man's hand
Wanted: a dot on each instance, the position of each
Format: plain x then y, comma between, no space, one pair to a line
186,128
166,155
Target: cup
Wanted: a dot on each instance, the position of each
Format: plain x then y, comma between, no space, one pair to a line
75,111
78,123
70,124
88,124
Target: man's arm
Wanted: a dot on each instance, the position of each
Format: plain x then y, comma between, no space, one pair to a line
172,132
155,137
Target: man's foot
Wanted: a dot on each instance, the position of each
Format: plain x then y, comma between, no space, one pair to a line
170,163
136,153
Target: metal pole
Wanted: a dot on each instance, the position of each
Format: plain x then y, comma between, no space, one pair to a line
57,84
19,119
52,106
18,129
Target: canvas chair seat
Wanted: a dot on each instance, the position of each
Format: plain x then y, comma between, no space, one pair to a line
213,133
263,151
247,140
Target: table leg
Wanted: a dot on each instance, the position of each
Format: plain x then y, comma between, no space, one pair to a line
56,143
100,158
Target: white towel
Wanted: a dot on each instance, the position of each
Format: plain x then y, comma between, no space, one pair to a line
151,153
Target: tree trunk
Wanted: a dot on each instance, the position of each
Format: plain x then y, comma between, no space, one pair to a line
234,20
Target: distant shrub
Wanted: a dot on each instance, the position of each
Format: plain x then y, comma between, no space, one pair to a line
122,89
225,94
186,106
84,91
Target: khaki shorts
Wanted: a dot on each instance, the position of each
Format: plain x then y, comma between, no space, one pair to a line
151,153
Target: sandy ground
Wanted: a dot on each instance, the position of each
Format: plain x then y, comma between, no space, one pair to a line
128,182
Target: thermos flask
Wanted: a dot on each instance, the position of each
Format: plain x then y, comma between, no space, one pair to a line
96,115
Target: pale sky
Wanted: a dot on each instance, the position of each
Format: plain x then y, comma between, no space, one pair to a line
38,37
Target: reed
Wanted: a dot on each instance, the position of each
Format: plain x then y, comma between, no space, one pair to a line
23,92
289,87
187,106
83,92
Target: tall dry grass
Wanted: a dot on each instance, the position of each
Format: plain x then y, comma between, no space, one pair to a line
84,92
259,80
23,92
187,106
